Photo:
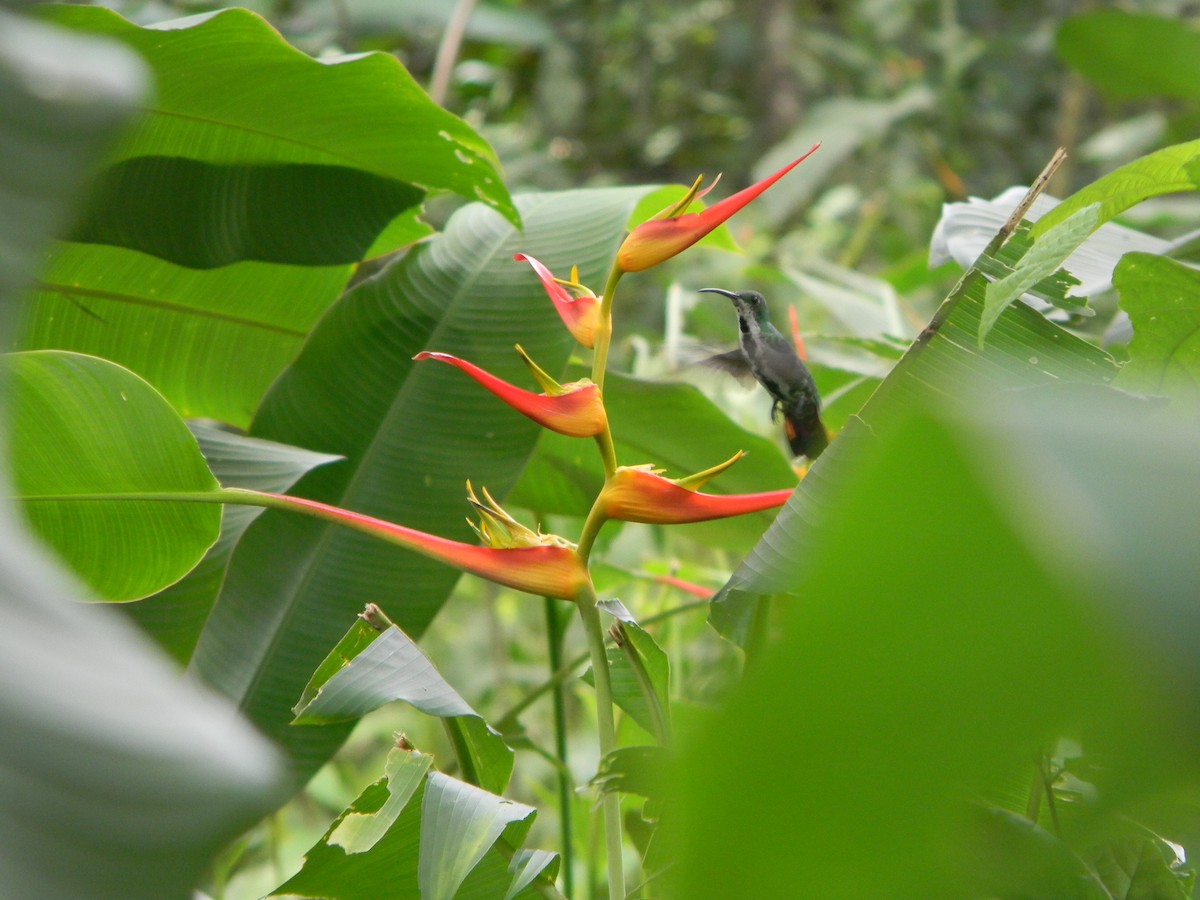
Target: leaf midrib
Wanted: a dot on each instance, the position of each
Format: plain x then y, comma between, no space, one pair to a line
178,308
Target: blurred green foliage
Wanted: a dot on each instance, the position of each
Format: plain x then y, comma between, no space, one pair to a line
984,683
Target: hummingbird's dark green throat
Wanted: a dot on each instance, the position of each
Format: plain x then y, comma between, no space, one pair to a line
774,363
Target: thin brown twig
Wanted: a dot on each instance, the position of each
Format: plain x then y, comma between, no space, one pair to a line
447,52
1039,185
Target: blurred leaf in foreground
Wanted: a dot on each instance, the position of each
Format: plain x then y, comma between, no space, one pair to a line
987,583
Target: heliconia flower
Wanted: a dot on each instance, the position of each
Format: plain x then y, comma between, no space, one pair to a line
578,307
501,531
548,566
641,494
574,409
672,231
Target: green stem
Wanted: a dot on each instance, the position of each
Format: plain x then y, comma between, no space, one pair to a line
608,453
606,725
462,750
591,529
604,328
508,721
554,641
1042,789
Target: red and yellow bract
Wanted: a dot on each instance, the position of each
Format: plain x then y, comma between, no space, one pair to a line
672,231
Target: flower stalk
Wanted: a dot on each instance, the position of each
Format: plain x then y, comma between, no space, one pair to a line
603,338
604,326
607,729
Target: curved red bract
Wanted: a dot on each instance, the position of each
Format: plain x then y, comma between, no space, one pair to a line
657,240
577,412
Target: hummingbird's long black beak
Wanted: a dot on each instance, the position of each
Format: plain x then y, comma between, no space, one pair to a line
730,294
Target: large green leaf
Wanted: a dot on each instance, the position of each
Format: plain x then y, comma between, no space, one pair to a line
116,779
251,151
459,824
1162,298
642,770
377,663
210,341
83,426
204,215
412,434
358,832
231,93
1128,54
1023,350
1027,860
174,616
432,836
672,425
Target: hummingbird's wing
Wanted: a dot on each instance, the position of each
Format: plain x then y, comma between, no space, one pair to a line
733,363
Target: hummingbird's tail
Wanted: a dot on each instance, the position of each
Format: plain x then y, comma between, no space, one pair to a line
806,437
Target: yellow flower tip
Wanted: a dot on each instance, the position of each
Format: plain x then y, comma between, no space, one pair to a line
697,481
500,531
551,387
693,194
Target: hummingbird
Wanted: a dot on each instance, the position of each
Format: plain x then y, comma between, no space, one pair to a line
772,360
